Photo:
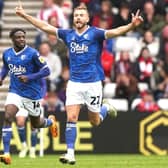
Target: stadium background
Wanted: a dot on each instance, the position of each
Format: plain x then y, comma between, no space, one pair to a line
131,132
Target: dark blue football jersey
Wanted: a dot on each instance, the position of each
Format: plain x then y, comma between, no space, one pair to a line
24,62
84,53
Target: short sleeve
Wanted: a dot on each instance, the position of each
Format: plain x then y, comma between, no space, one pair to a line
4,61
63,34
99,34
39,60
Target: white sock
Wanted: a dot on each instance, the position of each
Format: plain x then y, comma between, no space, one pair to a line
70,151
24,145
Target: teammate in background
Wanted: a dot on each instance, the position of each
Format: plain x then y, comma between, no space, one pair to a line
21,118
26,69
85,44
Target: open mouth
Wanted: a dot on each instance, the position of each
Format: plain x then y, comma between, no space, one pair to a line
78,22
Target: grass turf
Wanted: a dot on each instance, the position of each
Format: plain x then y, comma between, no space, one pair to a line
91,161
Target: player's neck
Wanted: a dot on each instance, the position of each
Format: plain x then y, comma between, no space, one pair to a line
81,30
18,49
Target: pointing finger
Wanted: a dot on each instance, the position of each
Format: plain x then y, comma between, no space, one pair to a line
20,3
137,13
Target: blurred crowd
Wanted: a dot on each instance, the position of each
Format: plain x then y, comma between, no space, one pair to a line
140,56
1,10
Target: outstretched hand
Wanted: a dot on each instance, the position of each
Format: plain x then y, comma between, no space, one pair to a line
136,19
19,9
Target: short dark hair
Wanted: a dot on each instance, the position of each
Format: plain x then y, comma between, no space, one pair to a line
82,7
14,30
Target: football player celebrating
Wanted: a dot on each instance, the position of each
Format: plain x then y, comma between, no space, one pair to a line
85,44
26,69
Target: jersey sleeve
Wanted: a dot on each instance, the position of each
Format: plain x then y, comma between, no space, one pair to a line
99,34
4,62
4,70
62,34
39,60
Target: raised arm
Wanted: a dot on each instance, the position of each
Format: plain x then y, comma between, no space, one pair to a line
136,21
42,25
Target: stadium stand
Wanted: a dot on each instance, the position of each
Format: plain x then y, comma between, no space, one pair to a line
120,104
163,103
135,102
143,86
127,44
109,89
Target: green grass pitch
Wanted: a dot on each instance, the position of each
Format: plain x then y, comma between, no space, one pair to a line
92,161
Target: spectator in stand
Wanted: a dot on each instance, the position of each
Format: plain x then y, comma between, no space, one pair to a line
123,76
163,22
139,4
53,62
147,103
124,15
107,60
160,75
160,6
164,59
151,19
57,46
163,41
123,65
152,43
126,87
66,6
162,88
49,8
105,13
52,104
136,4
53,20
144,66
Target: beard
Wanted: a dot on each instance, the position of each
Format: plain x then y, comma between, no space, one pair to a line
79,25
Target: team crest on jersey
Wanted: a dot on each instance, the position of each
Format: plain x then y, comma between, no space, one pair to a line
8,59
86,36
23,57
41,59
73,38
